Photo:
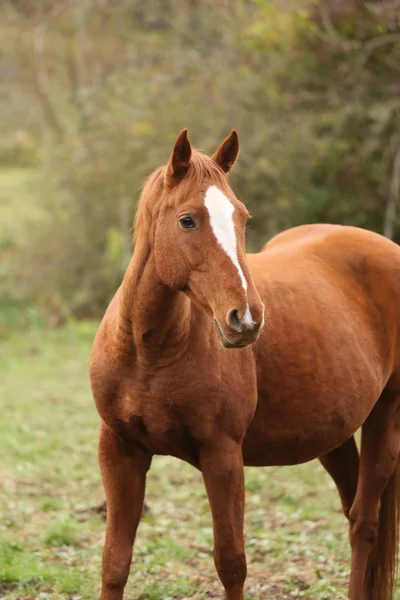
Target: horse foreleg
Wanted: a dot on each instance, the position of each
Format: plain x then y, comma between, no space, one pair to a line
223,475
374,516
342,465
124,477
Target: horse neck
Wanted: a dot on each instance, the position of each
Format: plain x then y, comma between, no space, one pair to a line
157,316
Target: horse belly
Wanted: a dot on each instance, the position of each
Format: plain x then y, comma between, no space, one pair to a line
318,378
294,442
296,425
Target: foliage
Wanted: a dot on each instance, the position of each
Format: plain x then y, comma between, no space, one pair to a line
101,89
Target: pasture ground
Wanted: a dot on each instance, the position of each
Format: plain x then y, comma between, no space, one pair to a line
51,535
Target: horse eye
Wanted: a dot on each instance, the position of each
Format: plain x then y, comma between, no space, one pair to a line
187,222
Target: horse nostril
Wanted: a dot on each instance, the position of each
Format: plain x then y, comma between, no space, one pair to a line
234,321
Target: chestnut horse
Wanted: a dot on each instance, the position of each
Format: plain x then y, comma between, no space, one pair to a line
174,371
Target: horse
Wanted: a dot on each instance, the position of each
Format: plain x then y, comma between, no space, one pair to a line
223,360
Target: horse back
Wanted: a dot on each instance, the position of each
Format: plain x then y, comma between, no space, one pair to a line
349,267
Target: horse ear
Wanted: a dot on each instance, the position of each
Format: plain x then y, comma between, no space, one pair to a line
178,163
228,152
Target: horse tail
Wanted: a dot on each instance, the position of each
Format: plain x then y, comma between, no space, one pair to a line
381,573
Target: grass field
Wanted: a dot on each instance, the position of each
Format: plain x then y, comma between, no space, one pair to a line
51,537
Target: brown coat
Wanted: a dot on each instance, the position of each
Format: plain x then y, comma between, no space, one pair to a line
183,364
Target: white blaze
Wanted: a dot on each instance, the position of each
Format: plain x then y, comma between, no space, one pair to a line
220,210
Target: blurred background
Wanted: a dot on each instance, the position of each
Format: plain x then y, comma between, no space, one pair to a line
92,96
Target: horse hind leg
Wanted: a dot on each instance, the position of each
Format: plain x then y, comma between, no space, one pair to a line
374,516
342,464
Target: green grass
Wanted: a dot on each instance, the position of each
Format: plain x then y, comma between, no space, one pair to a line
51,538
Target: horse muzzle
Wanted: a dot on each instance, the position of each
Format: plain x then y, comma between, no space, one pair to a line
233,338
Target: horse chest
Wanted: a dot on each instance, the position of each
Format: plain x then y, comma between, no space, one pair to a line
162,417
176,413
158,434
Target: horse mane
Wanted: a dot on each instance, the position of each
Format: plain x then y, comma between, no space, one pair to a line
201,168
143,212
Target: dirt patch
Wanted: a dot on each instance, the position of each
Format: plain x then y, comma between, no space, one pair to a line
6,587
